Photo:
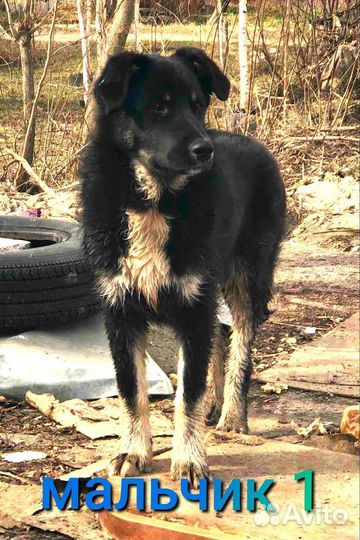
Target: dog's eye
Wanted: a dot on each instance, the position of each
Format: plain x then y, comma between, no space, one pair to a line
160,108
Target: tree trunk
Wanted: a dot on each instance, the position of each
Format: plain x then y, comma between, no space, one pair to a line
115,43
136,24
285,59
220,8
120,26
244,86
28,89
85,51
89,15
100,18
220,34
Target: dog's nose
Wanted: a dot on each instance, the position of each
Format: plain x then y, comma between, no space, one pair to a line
201,150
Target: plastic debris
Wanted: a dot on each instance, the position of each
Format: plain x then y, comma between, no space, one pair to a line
310,331
33,212
20,457
315,427
224,314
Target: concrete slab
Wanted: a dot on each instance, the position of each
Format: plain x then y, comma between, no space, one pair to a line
10,244
329,364
69,361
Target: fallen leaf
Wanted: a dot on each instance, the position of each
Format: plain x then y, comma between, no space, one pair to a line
274,388
350,422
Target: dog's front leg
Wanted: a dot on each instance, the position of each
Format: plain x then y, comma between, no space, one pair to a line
127,336
196,333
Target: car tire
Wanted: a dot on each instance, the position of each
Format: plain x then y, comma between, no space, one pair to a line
48,284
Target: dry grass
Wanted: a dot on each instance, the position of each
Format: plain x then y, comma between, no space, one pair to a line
323,146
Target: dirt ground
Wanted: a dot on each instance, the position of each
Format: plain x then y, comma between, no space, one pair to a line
315,287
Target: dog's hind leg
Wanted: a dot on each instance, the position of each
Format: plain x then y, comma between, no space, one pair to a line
127,338
215,379
195,328
238,365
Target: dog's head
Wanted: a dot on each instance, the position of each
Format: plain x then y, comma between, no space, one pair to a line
156,108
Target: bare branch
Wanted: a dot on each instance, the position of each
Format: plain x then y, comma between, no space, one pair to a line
35,178
11,24
42,79
9,36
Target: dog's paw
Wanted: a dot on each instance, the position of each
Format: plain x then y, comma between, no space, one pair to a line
191,471
232,423
127,464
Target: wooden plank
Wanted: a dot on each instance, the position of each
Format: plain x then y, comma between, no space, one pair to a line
329,365
336,487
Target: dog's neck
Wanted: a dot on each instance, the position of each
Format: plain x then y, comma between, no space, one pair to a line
146,184
151,187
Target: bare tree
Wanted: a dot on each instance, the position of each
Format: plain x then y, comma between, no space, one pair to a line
114,44
221,7
220,33
100,18
118,32
243,64
22,30
137,19
286,55
84,25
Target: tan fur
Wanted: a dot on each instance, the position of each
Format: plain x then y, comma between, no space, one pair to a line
179,182
188,442
215,379
147,185
233,415
146,268
189,286
136,431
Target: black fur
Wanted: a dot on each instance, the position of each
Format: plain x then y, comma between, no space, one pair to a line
227,219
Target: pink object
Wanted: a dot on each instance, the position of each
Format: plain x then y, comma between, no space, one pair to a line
33,212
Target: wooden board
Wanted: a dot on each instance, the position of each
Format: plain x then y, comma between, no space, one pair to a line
336,487
330,364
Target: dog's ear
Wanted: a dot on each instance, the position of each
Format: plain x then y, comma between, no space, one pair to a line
111,88
211,78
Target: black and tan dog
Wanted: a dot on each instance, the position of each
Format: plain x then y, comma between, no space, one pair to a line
174,216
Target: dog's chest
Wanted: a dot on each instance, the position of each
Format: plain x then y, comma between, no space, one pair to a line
146,269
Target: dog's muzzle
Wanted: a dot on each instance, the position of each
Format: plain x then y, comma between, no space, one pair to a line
201,150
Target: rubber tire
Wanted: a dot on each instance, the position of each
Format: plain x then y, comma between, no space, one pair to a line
48,285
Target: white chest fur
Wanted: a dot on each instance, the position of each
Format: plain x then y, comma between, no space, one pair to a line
146,268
